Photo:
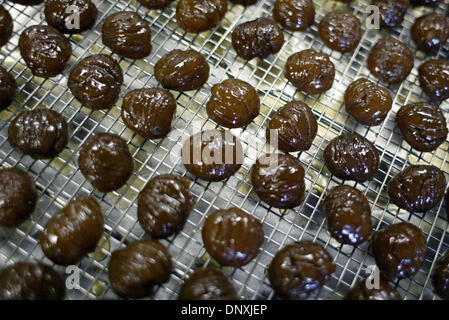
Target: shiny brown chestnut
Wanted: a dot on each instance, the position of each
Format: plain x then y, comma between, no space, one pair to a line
278,180
430,31
299,269
200,15
134,270
73,232
422,125
417,188
232,237
105,161
6,25
340,30
384,292
8,88
18,197
440,278
233,103
149,111
164,204
399,249
294,15
155,4
392,12
295,127
433,78
182,70
59,14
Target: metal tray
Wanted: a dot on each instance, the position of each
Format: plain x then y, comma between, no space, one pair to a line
59,179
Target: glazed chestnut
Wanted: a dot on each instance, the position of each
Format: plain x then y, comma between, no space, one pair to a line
340,30
8,88
182,70
433,78
233,103
310,71
155,4
392,12
295,126
96,81
105,161
299,269
73,232
232,237
294,15
430,31
278,180
200,15
257,38
207,284
6,25
39,133
427,3
59,15
384,292
31,281
135,269
399,249
418,188
17,197
422,125
164,205
368,102
212,155
127,34
45,50
348,215
390,60
352,157
149,111
441,276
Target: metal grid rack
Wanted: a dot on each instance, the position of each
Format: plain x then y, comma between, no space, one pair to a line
58,180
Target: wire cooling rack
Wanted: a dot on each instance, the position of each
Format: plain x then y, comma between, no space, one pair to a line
59,180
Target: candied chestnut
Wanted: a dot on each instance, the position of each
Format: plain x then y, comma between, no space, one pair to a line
96,81
430,31
351,157
135,269
348,215
212,155
8,88
278,179
295,126
155,4
31,281
182,70
399,249
127,34
6,25
422,125
384,292
433,78
45,50
73,232
60,15
441,276
310,71
149,111
232,237
418,188
17,197
368,102
105,161
257,38
392,12
390,60
164,205
299,269
294,15
207,284
39,133
200,15
340,30
233,103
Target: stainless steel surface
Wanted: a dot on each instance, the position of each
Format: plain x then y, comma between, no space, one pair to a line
59,180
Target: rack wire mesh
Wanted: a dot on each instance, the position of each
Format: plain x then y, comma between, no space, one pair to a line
59,180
